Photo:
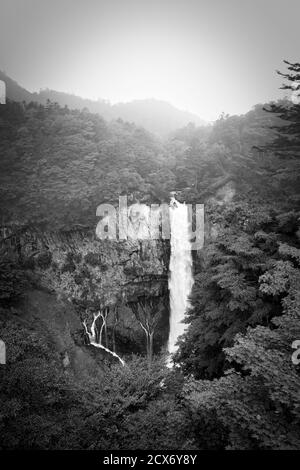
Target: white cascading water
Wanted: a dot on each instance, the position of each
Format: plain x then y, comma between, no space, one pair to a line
181,274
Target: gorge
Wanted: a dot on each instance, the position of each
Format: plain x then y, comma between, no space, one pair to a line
115,286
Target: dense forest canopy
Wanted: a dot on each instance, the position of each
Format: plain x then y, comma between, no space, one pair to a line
57,165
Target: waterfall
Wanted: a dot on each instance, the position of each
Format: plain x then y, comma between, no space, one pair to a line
92,335
181,277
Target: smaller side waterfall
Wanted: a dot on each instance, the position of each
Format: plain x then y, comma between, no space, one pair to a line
92,335
181,276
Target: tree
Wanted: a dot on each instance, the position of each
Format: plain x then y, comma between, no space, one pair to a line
226,296
287,142
148,312
257,403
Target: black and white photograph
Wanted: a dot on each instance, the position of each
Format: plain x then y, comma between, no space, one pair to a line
149,229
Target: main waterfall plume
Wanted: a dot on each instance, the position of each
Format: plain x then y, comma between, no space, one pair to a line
181,276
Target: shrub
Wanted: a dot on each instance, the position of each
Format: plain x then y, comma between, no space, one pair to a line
44,260
93,259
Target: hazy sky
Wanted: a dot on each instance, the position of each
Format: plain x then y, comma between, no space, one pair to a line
206,56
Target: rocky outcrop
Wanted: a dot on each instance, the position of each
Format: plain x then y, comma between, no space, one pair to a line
91,274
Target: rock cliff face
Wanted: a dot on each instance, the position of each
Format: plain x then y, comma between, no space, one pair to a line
91,274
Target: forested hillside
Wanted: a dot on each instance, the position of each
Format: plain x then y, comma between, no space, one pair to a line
235,385
57,165
246,298
159,117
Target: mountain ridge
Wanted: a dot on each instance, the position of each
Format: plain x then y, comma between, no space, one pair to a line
157,116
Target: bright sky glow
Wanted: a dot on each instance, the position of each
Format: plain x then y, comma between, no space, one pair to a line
205,56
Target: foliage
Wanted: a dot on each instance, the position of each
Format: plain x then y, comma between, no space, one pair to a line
257,401
13,282
242,268
58,165
44,260
44,407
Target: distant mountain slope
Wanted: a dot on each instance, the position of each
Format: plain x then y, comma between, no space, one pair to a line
14,91
159,117
75,102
